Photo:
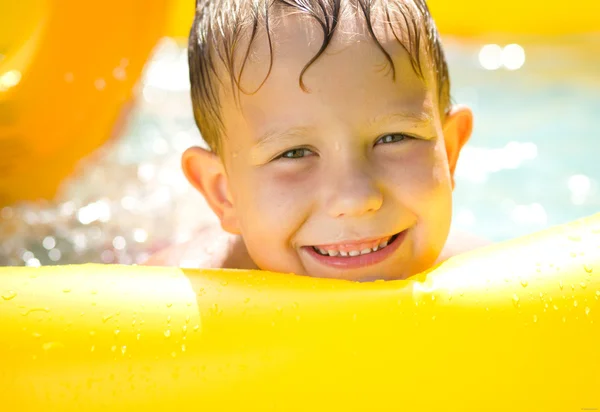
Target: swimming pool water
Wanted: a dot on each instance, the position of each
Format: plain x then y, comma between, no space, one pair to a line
531,162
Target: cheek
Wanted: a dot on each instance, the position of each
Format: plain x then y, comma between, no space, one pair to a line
419,174
271,202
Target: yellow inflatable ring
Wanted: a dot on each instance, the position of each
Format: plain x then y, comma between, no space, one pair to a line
515,327
66,71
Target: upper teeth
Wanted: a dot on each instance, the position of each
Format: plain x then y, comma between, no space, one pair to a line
365,251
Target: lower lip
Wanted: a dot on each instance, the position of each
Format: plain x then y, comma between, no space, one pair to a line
353,262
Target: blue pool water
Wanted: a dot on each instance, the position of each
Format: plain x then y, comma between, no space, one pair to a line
530,164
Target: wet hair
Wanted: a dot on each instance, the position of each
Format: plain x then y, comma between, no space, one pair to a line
224,28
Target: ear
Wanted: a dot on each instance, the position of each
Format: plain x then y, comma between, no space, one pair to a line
205,171
457,131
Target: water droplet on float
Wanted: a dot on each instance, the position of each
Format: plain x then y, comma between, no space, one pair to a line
535,318
515,300
11,294
167,333
67,290
587,310
588,268
123,350
583,285
196,328
560,284
183,347
524,283
117,331
169,305
575,303
555,307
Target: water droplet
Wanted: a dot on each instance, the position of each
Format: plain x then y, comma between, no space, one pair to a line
66,290
36,335
113,348
583,285
27,312
587,310
572,286
515,300
246,300
167,333
432,297
575,303
8,295
224,283
183,347
107,318
93,348
94,291
123,350
433,317
588,268
187,319
169,305
524,283
598,293
137,337
117,332
173,354
564,319
535,318
196,328
573,254
169,319
555,307
560,284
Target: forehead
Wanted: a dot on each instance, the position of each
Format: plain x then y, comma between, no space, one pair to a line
352,71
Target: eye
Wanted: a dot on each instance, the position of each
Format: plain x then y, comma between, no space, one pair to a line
392,138
295,153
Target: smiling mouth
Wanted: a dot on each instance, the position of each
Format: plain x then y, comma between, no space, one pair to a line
355,249
356,255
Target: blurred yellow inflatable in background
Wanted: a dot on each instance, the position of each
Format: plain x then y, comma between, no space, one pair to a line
67,69
535,17
514,327
474,17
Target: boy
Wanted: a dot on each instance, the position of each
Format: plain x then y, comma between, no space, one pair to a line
332,139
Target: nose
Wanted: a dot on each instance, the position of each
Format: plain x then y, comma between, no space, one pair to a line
352,192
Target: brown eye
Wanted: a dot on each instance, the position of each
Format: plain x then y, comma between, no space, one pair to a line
296,153
392,138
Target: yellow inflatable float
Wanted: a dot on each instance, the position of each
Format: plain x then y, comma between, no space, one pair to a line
67,69
514,327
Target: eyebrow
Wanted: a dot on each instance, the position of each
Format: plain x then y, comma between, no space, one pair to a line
270,136
420,118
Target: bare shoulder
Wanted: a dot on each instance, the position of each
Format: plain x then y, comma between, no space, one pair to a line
210,248
460,242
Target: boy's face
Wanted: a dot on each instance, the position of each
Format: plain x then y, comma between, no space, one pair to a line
310,180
